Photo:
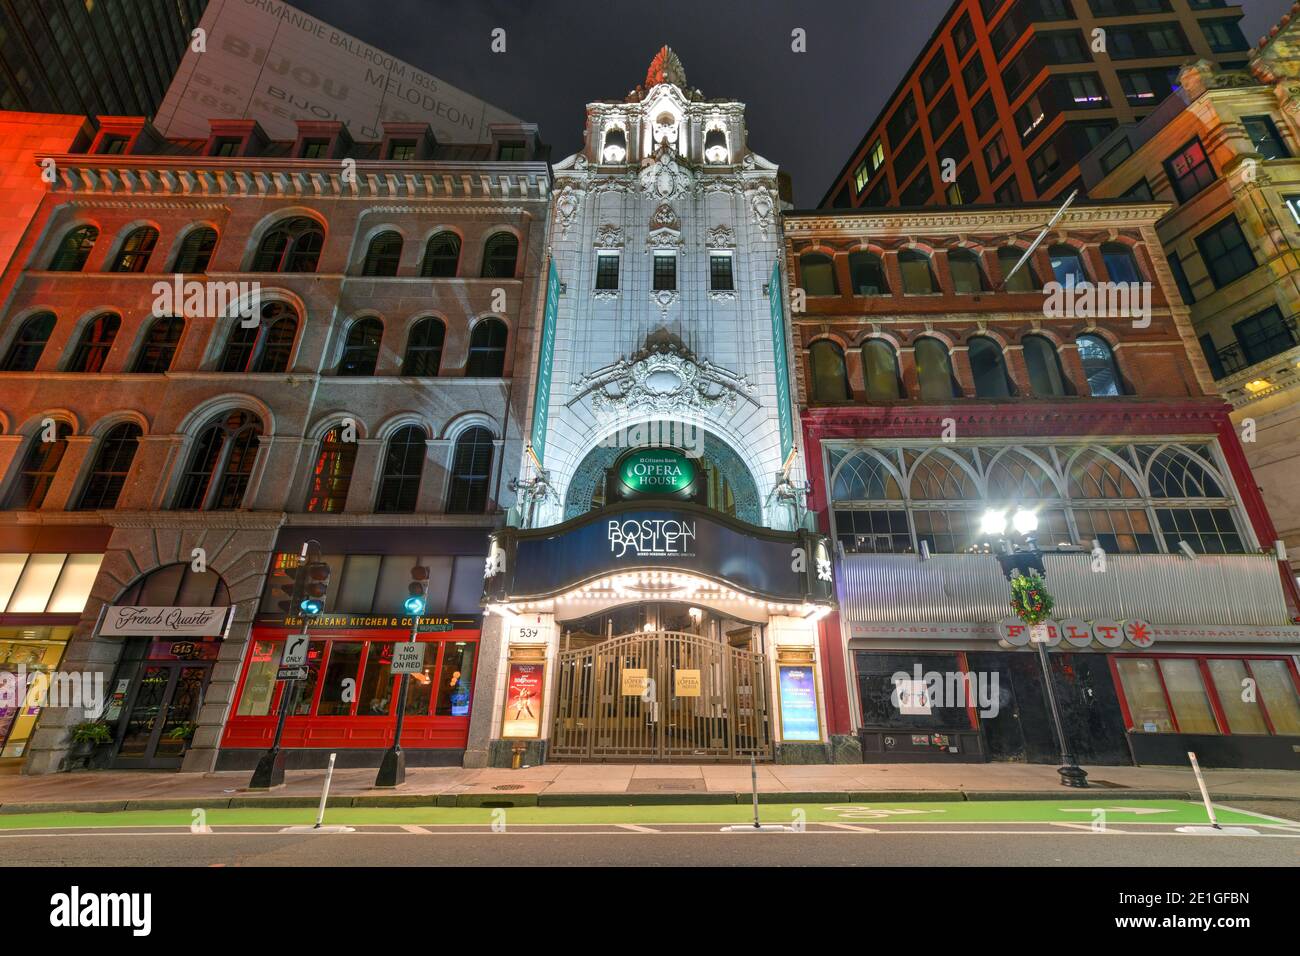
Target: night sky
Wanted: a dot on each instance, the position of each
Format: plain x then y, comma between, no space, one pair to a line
806,112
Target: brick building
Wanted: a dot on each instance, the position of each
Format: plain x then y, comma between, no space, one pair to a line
1015,92
356,390
927,399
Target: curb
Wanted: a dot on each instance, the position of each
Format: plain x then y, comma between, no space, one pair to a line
497,800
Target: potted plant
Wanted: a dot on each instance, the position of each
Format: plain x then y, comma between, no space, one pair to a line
87,736
183,731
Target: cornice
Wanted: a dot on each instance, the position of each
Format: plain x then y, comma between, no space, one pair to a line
974,220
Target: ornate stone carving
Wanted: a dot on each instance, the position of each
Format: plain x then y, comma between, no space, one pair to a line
609,236
665,379
720,237
567,204
665,228
666,67
665,299
763,207
663,177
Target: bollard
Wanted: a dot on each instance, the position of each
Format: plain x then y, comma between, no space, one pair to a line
324,794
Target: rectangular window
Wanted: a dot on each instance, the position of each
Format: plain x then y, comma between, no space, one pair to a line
1045,166
934,76
1189,170
1008,192
1144,87
720,277
315,148
1226,253
1087,136
401,149
665,274
1267,140
1240,709
974,75
878,197
1264,335
918,191
1207,530
1140,191
943,114
1145,696
512,151
954,147
996,156
375,697
1277,690
1224,36
1020,71
1293,207
1187,694
259,684
1116,155
963,35
873,532
1064,46
1180,277
902,122
227,146
1030,118
338,688
455,683
1005,34
113,145
1211,355
907,159
607,270
861,176
1082,91
985,113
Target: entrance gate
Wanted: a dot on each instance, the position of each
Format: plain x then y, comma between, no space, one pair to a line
661,695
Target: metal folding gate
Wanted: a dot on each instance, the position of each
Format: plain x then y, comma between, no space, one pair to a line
661,695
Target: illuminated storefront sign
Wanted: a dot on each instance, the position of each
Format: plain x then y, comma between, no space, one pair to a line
134,621
656,471
798,702
525,686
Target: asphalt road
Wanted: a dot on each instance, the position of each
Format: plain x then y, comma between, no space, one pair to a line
1134,845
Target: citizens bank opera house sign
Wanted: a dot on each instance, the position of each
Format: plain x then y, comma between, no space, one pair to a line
134,621
539,563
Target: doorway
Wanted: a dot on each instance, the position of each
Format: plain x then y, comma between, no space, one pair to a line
661,682
159,719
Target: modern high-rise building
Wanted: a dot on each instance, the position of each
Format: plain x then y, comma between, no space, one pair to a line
1008,95
106,57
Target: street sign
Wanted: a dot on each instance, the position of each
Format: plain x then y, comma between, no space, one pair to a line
408,657
295,651
291,673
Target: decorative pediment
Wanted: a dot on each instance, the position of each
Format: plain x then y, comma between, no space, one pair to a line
664,378
720,237
663,177
665,228
609,236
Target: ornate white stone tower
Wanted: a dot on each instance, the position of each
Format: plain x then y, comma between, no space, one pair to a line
664,234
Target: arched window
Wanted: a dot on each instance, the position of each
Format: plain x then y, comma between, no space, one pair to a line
96,342
74,250
499,255
1098,366
399,483
867,273
441,256
715,146
361,349
1067,265
1025,278
988,368
112,464
1176,474
136,250
159,346
615,150
817,274
830,380
384,255
196,250
1044,366
1121,266
487,350
292,246
471,470
28,345
264,347
918,279
880,371
221,464
967,274
332,475
424,348
934,370
39,468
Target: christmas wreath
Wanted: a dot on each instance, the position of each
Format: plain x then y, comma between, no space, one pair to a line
1030,600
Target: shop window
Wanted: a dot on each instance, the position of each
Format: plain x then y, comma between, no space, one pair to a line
877,692
1188,697
383,255
196,251
1044,366
500,256
487,350
1277,689
1145,696
423,355
399,483
259,683
375,697
315,658
934,370
39,468
112,465
332,474
471,470
441,256
817,274
918,278
1238,700
830,382
96,342
159,346
74,250
361,348
880,371
988,368
263,347
136,250
867,272
29,344
455,682
339,684
221,464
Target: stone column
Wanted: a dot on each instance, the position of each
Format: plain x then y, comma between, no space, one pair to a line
437,474
489,681
1018,370
1072,369
365,476
11,448
907,371
80,447
960,358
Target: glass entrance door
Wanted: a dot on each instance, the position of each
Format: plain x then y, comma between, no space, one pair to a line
165,706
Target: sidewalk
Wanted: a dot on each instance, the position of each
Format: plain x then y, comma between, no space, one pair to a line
612,784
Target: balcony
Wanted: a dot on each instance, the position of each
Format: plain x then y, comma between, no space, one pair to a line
1161,588
1280,337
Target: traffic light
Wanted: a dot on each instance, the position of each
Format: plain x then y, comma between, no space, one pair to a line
419,586
317,585
295,585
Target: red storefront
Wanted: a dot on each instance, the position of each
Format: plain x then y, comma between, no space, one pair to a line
348,702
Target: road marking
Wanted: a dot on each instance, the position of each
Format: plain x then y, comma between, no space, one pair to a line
412,828
635,828
1084,826
1262,816
1137,811
851,827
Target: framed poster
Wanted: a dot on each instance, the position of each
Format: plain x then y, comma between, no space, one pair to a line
525,692
798,689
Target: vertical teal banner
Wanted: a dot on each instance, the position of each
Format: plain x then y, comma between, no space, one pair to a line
545,361
784,414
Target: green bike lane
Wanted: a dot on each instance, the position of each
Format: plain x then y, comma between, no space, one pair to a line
867,814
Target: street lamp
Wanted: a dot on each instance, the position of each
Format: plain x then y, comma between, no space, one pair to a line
1016,561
